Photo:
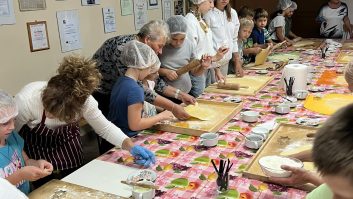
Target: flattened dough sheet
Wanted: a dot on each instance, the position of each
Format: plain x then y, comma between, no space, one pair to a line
199,112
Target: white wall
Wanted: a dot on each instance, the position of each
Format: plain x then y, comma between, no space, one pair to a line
19,66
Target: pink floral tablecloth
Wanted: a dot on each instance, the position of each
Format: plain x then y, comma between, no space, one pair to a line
183,165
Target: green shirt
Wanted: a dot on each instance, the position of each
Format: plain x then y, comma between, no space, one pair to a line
321,192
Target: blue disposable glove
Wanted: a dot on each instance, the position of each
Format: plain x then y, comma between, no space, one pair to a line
143,156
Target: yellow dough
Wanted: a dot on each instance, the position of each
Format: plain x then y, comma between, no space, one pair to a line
340,80
283,56
347,58
328,104
199,112
262,56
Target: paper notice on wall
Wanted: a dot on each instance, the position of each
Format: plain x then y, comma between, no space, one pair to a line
167,9
109,20
90,2
140,13
126,7
7,15
69,30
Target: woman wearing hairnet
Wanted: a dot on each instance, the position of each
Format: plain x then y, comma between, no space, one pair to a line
108,57
224,23
127,98
201,35
178,52
15,166
277,26
49,113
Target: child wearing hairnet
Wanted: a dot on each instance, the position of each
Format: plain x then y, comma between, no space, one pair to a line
178,52
278,24
15,166
127,98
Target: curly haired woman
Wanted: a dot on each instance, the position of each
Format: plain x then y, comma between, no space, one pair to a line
49,113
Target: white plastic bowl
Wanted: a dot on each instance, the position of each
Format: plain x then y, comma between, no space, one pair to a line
271,165
141,175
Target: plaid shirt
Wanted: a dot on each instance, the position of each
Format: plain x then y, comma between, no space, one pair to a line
110,66
248,44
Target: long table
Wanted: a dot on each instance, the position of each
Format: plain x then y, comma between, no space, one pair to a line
183,166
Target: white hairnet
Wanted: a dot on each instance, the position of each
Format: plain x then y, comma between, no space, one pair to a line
177,24
284,4
8,107
294,6
138,55
196,2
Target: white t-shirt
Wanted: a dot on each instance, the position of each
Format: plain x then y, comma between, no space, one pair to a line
224,31
332,20
175,58
201,39
278,21
9,191
30,112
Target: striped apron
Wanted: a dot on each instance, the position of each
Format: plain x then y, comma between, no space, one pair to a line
62,146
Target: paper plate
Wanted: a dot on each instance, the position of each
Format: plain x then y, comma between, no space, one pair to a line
232,99
262,72
308,121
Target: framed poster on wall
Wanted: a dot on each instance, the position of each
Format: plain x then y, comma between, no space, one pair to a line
140,13
167,9
38,35
179,7
152,4
109,19
28,5
69,30
90,2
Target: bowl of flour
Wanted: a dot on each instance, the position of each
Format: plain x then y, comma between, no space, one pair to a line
271,165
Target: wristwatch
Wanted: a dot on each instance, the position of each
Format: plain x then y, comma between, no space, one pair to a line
177,92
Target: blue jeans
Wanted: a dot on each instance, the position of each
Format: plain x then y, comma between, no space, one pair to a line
198,85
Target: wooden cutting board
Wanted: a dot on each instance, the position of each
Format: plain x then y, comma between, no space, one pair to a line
310,43
266,65
345,57
254,82
284,138
347,45
222,113
57,189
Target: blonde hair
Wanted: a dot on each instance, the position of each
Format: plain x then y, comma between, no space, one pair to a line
66,92
244,22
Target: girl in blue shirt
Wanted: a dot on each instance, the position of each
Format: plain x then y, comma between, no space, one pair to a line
126,102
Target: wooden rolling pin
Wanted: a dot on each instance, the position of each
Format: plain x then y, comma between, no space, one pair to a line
188,67
140,185
278,45
230,86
